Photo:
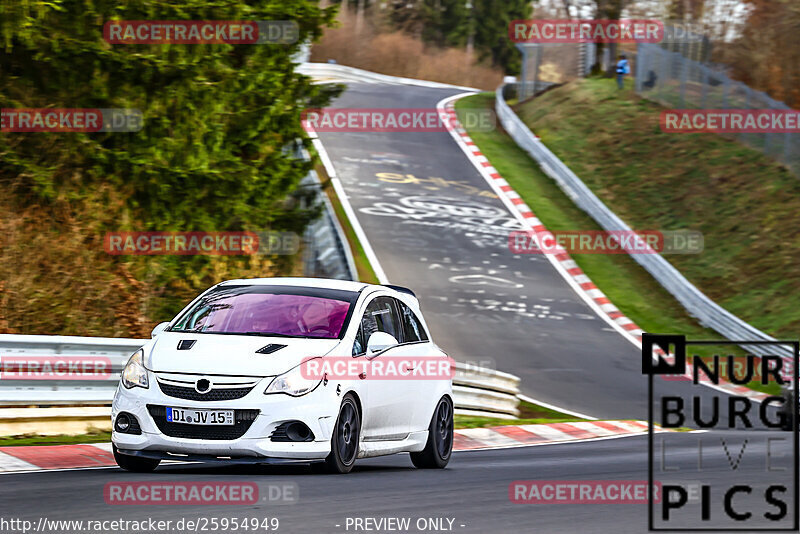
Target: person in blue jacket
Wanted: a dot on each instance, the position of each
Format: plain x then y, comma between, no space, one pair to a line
623,68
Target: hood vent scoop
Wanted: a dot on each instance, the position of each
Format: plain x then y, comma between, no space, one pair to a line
269,349
186,344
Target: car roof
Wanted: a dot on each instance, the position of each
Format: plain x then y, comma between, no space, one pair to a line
326,283
329,283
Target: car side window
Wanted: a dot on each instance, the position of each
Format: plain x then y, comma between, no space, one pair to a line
412,326
380,316
360,344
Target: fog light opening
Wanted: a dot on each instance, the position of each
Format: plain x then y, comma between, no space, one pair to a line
298,432
123,423
127,424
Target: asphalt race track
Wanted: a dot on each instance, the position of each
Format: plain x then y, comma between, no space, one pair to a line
436,227
473,491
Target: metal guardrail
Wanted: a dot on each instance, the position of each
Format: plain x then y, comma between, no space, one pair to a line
706,311
475,388
327,252
53,392
333,72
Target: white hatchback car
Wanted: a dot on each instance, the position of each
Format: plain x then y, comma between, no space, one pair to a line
228,380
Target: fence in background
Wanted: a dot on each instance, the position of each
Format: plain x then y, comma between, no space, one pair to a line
673,80
546,64
707,312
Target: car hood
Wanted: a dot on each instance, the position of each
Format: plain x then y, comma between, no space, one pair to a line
222,354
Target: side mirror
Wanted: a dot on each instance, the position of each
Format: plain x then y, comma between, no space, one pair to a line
158,329
379,341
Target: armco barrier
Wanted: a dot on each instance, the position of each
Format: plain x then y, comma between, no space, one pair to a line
327,252
476,389
73,392
333,72
706,311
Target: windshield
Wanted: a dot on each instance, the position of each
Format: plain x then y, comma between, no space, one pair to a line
269,311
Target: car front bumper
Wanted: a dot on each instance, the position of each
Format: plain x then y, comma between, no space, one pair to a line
317,410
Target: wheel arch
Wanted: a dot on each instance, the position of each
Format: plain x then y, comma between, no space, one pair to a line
357,398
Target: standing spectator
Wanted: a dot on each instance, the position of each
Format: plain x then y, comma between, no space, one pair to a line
623,68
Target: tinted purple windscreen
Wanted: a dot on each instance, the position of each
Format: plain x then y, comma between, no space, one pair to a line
267,313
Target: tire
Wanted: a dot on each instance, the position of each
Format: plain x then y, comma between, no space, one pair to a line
439,446
345,440
135,464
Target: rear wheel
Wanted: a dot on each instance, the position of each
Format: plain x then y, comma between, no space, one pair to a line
134,464
439,446
344,443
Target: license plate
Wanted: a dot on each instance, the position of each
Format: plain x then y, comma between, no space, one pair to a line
199,417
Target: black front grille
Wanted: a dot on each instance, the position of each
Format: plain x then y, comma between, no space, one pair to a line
242,421
218,394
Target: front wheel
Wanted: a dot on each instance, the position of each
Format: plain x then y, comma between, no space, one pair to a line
344,444
135,464
439,446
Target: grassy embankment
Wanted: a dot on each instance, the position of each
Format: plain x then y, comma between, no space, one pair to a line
742,202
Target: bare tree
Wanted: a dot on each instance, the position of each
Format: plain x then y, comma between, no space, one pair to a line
608,10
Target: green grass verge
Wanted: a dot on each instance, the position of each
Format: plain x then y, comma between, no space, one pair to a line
530,414
743,202
363,266
93,437
629,286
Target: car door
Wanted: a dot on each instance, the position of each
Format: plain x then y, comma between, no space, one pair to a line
389,404
417,345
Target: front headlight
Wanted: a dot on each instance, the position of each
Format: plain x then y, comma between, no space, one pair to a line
295,382
135,375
